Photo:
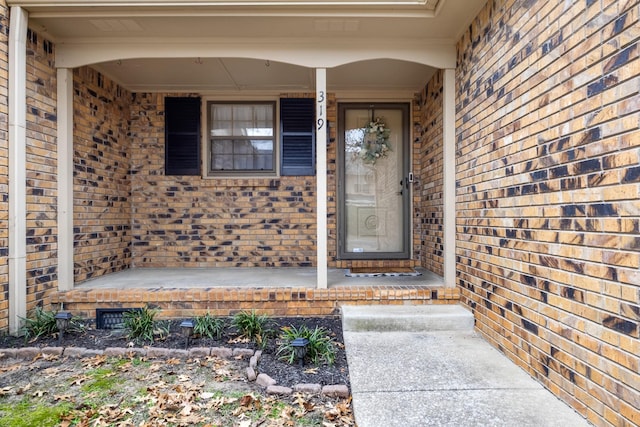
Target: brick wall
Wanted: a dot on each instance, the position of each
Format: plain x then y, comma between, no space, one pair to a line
4,169
41,170
428,167
181,221
102,186
176,303
548,176
187,221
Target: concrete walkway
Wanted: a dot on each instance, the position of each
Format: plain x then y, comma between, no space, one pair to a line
425,366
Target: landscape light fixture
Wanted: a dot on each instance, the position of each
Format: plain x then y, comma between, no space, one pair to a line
300,349
62,322
187,330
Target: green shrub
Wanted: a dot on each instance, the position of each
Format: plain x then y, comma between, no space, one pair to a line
141,326
43,324
253,326
320,348
209,326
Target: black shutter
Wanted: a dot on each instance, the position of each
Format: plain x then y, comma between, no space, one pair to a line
182,136
297,132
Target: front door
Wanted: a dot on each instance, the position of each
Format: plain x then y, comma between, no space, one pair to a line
373,181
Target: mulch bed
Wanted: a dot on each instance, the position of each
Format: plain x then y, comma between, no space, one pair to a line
284,373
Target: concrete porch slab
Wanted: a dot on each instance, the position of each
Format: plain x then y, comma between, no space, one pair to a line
246,277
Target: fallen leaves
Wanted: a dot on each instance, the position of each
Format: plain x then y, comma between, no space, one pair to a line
80,379
208,391
303,403
339,414
94,362
10,368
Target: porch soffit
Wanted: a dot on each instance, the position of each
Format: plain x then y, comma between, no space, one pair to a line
393,40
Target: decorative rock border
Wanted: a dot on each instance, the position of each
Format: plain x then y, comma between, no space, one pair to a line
262,379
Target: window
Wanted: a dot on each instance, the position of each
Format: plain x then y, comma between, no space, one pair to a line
241,138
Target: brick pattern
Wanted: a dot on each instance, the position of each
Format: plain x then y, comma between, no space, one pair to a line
187,221
428,167
4,169
548,175
179,303
41,170
102,185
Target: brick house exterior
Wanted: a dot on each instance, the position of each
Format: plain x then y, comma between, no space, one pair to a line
547,192
547,199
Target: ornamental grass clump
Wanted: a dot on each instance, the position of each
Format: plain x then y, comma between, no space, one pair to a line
209,326
141,326
253,326
43,324
320,349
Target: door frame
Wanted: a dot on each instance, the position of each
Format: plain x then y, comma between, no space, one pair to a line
405,253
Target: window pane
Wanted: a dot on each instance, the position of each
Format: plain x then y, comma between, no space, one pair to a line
221,120
264,161
264,113
243,147
262,146
242,128
222,162
222,147
242,112
263,125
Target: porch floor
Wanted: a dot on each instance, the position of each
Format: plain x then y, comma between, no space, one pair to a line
247,277
183,292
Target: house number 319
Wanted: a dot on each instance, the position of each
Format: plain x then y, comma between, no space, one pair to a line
321,109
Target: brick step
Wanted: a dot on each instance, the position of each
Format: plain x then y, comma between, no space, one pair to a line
189,302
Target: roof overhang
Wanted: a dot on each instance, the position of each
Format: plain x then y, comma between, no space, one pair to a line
403,39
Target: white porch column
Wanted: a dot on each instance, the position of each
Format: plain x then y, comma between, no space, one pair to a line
65,179
449,184
321,174
17,168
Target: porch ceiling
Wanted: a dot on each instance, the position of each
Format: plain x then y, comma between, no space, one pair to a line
244,45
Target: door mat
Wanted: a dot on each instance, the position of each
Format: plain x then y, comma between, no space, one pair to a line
381,271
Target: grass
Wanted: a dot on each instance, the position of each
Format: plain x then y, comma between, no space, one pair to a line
27,413
103,379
